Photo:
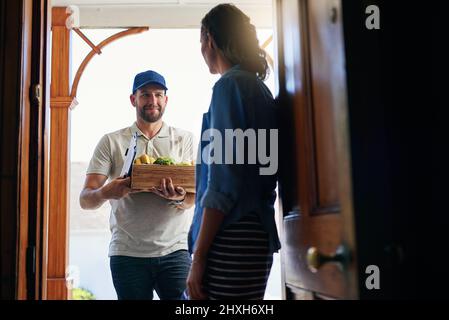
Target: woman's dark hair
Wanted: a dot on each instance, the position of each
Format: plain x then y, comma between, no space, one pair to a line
236,37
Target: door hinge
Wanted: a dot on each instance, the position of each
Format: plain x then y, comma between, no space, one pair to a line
36,94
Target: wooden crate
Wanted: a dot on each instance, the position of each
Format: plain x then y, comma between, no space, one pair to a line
146,176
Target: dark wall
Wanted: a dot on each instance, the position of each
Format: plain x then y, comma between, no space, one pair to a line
389,106
10,53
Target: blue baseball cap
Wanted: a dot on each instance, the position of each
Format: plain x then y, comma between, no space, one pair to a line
148,77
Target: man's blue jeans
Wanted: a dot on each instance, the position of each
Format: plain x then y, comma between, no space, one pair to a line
136,278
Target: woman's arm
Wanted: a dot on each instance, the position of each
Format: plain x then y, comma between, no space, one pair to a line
224,180
212,220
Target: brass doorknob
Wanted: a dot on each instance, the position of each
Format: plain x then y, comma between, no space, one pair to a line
315,259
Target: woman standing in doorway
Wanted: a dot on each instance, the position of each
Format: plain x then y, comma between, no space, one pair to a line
233,234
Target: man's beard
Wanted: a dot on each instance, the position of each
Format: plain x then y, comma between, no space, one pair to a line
150,118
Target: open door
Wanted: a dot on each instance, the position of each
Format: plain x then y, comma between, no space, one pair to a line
23,48
317,232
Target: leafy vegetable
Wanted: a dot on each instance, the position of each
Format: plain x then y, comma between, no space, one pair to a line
165,161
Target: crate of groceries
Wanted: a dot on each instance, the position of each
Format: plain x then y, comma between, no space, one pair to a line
147,172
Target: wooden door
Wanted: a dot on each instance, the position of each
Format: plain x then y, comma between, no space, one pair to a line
13,23
317,233
33,151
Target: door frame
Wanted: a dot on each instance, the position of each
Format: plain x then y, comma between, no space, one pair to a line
44,171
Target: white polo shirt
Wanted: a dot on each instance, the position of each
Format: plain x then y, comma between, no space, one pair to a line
144,224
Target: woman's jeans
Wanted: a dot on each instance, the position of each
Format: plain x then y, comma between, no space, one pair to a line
136,278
